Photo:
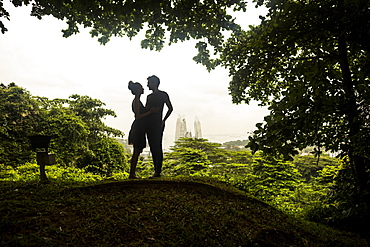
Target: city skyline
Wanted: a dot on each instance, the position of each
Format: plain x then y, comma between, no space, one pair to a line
183,131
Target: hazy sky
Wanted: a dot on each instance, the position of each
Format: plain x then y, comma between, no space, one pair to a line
34,55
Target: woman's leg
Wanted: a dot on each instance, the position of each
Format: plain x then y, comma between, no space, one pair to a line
133,163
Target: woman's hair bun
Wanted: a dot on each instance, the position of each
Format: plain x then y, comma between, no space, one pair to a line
130,84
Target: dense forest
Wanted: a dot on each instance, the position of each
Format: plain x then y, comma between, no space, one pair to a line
318,188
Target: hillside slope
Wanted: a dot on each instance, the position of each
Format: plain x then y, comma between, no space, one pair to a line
181,212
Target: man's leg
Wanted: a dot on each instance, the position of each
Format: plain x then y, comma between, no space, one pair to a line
155,143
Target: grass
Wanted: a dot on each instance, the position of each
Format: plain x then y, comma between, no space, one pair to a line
163,212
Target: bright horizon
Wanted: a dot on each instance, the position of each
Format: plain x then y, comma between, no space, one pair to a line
35,56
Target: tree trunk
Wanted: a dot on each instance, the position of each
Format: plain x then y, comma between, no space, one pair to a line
352,113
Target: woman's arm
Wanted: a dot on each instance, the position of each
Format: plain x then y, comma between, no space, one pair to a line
137,112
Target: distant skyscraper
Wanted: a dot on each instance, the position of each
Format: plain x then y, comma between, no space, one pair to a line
182,131
197,129
180,128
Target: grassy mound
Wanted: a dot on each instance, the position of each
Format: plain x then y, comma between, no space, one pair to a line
176,212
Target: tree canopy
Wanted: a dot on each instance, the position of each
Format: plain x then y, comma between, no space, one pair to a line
205,21
80,137
309,62
18,115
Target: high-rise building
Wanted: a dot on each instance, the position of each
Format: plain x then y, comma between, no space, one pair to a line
182,131
197,129
180,128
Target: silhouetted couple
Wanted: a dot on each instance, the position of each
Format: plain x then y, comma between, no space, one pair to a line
149,122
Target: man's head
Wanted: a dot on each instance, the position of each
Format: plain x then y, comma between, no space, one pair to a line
153,82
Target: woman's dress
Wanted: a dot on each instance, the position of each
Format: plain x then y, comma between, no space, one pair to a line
136,135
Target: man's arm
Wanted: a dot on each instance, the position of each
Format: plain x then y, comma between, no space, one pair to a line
169,111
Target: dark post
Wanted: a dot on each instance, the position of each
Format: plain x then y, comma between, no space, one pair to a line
40,144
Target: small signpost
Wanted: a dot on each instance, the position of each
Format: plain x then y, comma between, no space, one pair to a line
40,144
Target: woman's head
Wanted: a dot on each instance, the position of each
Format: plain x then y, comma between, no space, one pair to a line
135,88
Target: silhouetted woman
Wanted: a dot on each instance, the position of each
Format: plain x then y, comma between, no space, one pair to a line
137,133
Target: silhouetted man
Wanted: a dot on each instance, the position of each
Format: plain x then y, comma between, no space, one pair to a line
155,122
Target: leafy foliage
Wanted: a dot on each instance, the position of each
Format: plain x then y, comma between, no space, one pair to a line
235,145
310,166
198,156
309,61
343,208
19,113
104,156
162,20
92,113
80,137
272,180
274,175
188,161
30,173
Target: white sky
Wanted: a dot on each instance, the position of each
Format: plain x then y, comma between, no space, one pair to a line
34,55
